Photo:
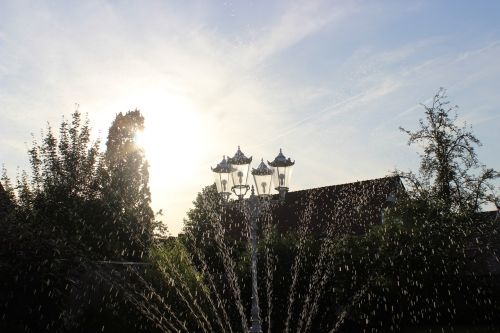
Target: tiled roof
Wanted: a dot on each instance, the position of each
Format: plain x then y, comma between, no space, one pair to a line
331,210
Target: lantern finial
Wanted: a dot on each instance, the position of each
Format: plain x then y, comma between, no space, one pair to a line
281,161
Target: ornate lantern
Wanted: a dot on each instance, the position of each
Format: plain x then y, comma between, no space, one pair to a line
263,178
282,173
223,180
240,165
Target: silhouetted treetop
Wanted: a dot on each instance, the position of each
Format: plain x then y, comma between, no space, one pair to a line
449,168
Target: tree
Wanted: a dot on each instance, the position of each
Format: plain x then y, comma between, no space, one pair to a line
125,188
60,197
76,208
449,169
426,264
199,224
53,225
6,198
215,252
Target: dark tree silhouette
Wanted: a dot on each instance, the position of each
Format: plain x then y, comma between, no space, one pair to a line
125,188
429,263
449,169
75,210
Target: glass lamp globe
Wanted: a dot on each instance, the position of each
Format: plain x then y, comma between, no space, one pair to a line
223,179
263,179
282,172
240,165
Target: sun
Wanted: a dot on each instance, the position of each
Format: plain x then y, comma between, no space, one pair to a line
140,139
171,138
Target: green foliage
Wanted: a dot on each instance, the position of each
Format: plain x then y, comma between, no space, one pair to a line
58,201
52,226
201,218
419,268
97,205
219,253
171,259
76,208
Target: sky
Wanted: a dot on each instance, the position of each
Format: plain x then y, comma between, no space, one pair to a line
330,82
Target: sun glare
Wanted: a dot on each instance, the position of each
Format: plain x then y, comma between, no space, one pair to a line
140,139
175,143
171,138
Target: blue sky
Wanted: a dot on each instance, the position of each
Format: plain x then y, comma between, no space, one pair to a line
330,82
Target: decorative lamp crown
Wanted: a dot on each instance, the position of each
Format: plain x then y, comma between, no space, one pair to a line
262,170
239,158
223,166
281,161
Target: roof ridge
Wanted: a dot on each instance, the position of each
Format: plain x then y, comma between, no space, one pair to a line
350,183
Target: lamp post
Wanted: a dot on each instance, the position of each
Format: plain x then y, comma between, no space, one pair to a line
231,176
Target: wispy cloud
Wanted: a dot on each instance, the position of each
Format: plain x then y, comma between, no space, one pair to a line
300,20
